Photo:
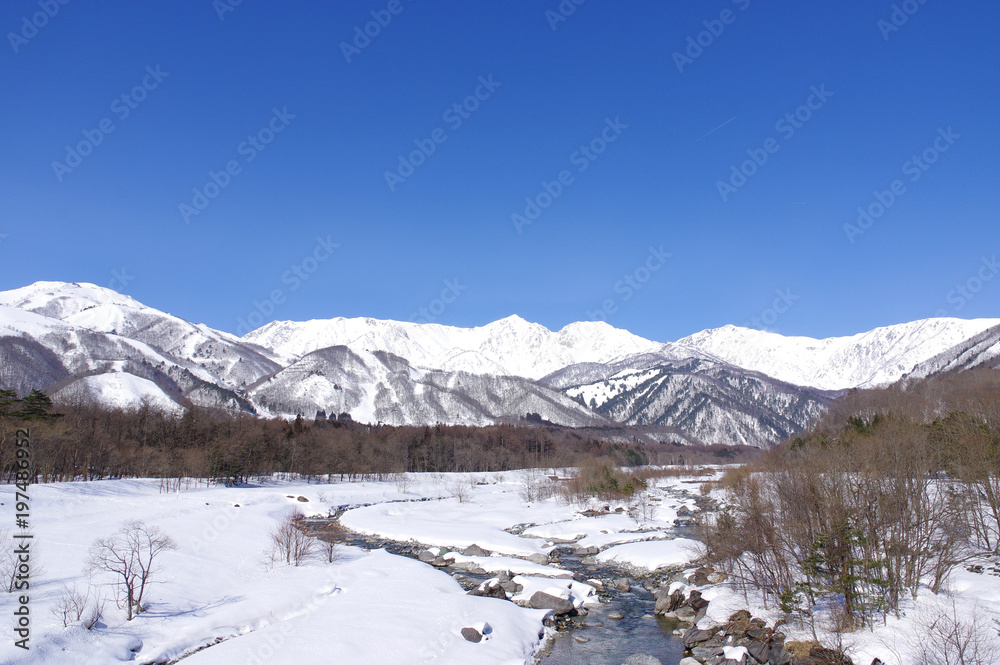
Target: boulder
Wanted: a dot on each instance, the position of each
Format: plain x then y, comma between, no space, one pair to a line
477,632
586,551
472,634
759,651
540,559
475,550
426,556
689,661
685,614
666,601
623,584
705,653
544,601
693,636
490,589
697,603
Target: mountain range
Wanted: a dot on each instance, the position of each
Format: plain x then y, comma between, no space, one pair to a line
730,385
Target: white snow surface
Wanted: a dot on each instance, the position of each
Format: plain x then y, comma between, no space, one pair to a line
368,607
653,555
120,390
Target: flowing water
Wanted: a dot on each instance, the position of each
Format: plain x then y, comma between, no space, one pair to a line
594,639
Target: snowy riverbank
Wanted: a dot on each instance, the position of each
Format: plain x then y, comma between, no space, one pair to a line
216,594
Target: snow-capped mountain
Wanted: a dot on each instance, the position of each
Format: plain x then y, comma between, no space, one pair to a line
510,346
709,401
103,311
728,385
876,358
979,351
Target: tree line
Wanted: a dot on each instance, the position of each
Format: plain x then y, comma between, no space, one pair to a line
883,498
91,442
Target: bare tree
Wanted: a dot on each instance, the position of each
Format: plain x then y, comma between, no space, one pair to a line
460,490
8,562
403,481
289,543
71,605
330,537
129,558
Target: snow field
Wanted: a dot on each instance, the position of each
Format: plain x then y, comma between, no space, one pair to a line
367,607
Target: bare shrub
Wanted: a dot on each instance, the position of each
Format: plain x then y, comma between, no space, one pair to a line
460,489
95,611
949,639
535,486
600,480
404,482
289,543
71,605
129,558
642,508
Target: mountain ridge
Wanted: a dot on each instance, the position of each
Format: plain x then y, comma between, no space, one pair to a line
719,385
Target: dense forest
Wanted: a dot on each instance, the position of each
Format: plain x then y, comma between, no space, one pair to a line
89,442
885,496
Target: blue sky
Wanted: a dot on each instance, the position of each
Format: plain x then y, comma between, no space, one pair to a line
620,142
